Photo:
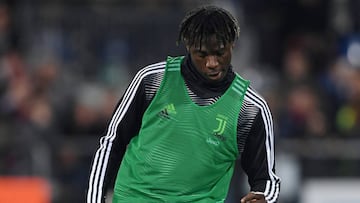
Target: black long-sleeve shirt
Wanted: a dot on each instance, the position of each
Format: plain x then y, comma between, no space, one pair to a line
255,137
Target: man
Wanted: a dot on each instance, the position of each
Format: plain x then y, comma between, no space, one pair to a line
182,124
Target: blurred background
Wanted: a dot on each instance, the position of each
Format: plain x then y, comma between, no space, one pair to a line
65,64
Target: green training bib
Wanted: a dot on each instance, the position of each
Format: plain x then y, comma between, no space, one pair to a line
184,152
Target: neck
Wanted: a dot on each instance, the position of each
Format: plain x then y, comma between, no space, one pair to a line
201,86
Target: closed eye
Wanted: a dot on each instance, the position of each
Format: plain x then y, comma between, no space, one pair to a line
202,54
220,52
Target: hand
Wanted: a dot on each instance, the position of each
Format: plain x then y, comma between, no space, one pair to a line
253,198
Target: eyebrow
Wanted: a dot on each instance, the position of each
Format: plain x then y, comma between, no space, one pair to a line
201,51
222,48
199,47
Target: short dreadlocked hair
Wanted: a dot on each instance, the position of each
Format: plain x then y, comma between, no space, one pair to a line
200,24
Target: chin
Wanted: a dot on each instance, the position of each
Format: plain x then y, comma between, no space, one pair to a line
215,80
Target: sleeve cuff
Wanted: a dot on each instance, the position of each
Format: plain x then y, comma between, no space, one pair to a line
257,193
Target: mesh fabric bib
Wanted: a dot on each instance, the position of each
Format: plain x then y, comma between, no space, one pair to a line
184,152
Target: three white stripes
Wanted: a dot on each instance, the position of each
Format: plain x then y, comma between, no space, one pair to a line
98,170
272,188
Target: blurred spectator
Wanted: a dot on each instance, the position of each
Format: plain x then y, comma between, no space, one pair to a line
69,175
302,114
348,114
84,115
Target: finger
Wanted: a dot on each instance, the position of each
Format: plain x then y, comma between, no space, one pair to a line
248,198
252,197
248,201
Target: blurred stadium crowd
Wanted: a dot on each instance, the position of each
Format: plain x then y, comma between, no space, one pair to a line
65,64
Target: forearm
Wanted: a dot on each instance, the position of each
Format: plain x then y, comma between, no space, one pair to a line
258,160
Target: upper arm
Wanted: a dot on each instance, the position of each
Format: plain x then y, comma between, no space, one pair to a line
258,159
123,126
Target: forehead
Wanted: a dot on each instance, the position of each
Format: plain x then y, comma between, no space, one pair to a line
211,43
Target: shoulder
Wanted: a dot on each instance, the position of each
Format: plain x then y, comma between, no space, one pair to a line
255,98
149,78
150,70
146,75
256,101
254,104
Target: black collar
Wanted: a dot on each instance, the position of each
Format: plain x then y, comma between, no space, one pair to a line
199,85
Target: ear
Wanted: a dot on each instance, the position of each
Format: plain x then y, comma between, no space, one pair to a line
232,46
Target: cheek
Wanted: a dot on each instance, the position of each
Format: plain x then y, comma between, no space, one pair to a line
199,64
226,59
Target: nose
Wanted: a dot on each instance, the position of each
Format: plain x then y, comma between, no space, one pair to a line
212,61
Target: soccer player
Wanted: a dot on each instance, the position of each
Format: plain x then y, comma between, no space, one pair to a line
181,125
